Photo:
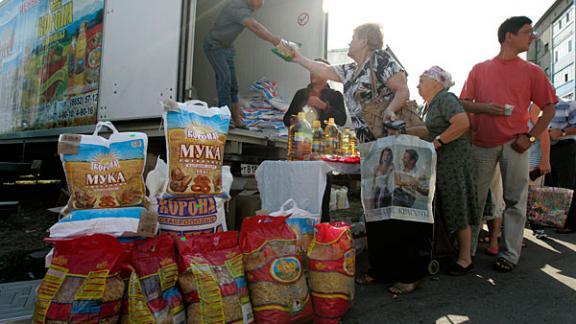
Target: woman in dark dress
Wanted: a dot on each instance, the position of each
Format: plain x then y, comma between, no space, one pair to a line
456,201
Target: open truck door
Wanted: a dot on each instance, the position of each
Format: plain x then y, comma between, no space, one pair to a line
300,21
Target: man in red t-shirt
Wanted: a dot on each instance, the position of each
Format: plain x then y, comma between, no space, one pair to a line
497,95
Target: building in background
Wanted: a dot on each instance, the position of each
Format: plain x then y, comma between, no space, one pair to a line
553,50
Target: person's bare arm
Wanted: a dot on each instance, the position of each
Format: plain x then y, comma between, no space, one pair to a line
544,142
482,108
262,32
541,125
459,124
399,85
320,69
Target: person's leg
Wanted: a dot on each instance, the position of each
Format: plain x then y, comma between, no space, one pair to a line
514,168
486,160
235,105
219,62
563,175
495,224
464,237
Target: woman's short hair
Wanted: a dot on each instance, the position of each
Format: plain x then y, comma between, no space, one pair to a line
372,33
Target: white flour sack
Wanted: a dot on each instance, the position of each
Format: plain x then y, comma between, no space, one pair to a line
104,173
195,139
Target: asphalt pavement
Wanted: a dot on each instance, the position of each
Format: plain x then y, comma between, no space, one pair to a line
542,289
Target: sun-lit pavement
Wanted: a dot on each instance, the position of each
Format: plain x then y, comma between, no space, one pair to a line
542,289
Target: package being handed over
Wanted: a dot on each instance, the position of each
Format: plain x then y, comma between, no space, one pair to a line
212,279
195,138
104,173
274,271
332,265
152,294
82,284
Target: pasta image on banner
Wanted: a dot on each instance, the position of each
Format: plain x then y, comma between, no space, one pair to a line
195,138
104,173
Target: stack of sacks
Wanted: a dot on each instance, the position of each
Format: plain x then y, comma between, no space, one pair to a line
106,185
189,191
263,109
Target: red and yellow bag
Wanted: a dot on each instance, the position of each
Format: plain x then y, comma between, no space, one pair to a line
212,279
274,271
332,265
82,284
152,295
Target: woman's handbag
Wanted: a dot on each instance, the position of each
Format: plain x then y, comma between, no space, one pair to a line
548,206
373,112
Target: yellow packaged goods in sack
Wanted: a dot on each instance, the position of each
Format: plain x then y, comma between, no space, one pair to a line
82,284
104,173
152,295
332,262
212,279
195,136
274,271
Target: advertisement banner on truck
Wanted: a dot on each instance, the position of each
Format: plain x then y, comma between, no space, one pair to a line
50,54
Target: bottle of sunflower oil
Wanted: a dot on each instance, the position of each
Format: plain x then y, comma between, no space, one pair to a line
302,138
291,132
331,138
317,141
345,143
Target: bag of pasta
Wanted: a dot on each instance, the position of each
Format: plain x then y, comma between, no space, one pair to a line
104,173
332,264
274,271
152,295
82,284
212,279
195,138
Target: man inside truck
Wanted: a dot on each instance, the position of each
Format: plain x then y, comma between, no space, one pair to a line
218,47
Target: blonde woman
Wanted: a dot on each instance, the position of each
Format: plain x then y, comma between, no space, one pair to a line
397,248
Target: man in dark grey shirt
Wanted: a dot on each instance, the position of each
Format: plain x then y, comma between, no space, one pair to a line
218,47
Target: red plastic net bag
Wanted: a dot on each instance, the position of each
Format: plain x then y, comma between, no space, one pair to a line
212,279
332,263
82,284
274,271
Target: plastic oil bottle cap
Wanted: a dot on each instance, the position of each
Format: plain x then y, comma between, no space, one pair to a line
301,115
330,121
316,124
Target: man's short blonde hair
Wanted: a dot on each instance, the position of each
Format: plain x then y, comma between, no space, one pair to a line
372,33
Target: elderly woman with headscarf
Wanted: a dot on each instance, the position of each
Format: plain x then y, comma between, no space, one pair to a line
455,184
397,248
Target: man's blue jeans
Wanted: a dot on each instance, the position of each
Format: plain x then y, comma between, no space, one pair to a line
222,61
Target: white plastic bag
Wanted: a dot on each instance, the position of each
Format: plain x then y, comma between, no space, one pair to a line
104,173
301,222
195,214
129,221
195,139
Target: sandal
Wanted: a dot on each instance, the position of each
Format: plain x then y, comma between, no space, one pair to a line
404,288
493,251
503,265
365,280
